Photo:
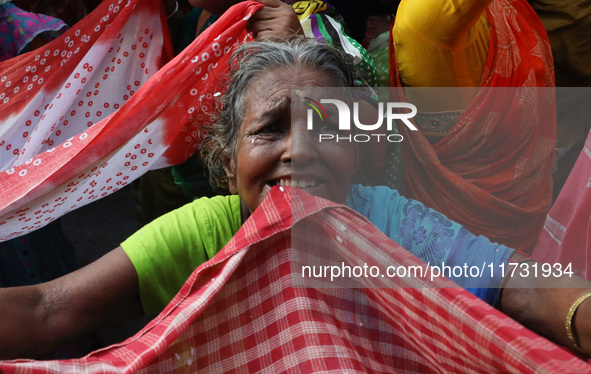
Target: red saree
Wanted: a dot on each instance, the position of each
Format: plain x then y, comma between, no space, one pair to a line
491,172
566,237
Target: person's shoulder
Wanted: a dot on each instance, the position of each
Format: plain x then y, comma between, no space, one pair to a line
219,208
216,202
374,192
365,199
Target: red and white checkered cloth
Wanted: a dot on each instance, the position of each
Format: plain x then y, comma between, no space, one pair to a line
239,313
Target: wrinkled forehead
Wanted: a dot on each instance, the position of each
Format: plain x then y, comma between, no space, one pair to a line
266,89
296,86
321,100
283,79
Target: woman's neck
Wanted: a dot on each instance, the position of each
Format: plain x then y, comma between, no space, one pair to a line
244,211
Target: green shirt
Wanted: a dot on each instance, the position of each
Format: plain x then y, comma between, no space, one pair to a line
186,237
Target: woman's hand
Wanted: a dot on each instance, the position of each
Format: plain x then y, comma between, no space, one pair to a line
276,20
37,319
542,305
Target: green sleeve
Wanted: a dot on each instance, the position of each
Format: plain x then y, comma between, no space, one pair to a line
166,251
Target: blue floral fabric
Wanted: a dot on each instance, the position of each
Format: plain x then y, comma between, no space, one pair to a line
433,238
18,28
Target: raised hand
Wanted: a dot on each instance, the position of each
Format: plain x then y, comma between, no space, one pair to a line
276,21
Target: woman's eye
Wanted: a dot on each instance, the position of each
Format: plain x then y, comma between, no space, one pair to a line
271,129
329,127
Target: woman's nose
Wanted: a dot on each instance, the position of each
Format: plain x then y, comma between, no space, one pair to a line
299,146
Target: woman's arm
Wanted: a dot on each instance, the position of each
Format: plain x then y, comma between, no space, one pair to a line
37,319
542,305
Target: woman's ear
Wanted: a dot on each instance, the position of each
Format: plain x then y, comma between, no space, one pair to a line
230,169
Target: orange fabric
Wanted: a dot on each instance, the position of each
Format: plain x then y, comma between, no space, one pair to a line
491,172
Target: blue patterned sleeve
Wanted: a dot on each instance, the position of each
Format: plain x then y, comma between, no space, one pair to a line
473,262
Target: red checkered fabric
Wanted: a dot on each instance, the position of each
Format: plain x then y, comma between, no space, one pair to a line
240,313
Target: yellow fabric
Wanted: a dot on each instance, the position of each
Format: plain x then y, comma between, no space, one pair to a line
305,9
442,43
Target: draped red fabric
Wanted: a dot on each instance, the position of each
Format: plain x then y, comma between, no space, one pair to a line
566,237
93,110
239,313
491,172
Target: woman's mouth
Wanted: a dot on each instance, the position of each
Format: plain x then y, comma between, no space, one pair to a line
304,183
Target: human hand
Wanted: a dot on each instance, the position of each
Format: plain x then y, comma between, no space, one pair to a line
276,20
543,304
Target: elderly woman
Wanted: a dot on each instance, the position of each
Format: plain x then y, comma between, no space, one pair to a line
253,147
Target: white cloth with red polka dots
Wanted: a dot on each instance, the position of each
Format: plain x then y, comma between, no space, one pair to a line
93,110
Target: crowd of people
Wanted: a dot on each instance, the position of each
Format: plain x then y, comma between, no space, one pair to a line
472,185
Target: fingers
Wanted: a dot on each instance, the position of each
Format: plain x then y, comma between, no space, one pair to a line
275,12
275,20
269,29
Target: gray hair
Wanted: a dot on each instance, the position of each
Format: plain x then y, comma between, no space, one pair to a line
250,61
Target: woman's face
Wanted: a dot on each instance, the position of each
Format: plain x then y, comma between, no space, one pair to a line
271,150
